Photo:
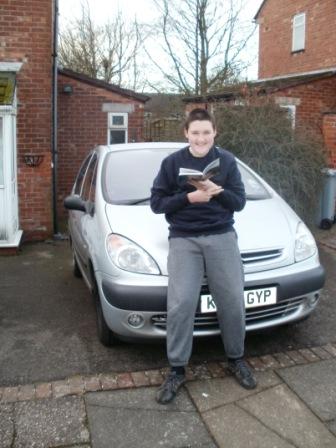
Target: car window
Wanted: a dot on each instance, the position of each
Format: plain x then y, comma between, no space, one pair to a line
253,187
80,175
88,187
92,193
127,176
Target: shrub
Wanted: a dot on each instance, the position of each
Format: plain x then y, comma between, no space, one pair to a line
291,162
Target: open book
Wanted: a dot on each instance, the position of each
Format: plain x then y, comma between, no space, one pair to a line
209,171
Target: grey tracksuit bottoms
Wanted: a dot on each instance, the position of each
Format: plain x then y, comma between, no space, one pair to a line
188,260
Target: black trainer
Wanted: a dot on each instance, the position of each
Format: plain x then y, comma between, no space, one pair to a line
168,389
242,373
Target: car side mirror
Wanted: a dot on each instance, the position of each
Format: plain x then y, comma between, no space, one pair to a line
74,202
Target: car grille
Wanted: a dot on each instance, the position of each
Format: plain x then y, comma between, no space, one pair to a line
257,315
261,256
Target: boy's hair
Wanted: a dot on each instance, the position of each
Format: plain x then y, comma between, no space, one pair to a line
199,115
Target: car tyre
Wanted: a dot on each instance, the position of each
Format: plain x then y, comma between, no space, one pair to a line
76,271
326,224
105,335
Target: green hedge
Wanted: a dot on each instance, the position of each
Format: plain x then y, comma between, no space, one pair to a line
291,162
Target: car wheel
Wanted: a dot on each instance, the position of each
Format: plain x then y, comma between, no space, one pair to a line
326,224
76,271
105,335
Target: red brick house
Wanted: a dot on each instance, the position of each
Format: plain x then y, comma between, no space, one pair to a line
296,36
297,39
92,112
89,114
25,120
297,65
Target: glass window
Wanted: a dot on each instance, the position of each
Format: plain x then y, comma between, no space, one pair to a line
92,194
253,187
128,176
291,112
1,152
87,183
299,31
118,120
7,88
80,175
117,137
118,128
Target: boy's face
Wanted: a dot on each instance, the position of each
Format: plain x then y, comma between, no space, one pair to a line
201,136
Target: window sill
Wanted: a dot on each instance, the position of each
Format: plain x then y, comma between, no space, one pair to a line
298,51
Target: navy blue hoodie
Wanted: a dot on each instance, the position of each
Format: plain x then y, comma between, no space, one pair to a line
169,194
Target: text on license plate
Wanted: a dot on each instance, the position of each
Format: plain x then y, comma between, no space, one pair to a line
252,297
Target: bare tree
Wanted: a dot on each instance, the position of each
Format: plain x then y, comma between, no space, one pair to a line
203,40
105,52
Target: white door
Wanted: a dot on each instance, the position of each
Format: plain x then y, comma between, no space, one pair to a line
10,234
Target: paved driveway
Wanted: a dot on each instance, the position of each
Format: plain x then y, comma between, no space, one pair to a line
47,323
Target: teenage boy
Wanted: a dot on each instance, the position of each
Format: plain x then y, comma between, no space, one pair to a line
201,240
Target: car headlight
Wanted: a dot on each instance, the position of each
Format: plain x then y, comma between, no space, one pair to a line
305,245
129,256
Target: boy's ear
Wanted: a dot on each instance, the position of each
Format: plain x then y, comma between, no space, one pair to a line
185,132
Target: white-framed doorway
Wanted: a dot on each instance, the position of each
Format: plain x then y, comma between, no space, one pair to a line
10,234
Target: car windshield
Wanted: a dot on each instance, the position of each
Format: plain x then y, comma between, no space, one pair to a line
128,176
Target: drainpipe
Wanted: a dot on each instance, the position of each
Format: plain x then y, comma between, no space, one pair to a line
54,151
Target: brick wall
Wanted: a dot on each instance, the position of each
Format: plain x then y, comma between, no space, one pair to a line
82,125
275,37
313,100
329,133
26,36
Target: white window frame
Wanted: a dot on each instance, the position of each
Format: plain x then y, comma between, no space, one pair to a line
291,112
299,32
114,127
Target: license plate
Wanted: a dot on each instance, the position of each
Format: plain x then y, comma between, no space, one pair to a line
253,298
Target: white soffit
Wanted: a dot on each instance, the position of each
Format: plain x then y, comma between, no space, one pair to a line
118,107
10,66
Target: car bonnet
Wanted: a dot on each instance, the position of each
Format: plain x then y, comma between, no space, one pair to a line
262,227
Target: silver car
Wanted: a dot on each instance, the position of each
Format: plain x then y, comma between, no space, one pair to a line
120,248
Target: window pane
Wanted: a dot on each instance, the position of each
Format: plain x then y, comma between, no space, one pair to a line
118,120
253,188
92,194
117,137
80,176
7,88
88,179
129,175
1,152
299,32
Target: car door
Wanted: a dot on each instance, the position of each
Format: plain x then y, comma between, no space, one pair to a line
85,188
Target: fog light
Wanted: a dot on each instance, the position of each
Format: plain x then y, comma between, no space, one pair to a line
135,320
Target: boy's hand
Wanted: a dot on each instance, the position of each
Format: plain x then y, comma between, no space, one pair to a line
203,184
204,195
205,190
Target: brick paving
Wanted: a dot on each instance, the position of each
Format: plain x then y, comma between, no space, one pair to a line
297,357
79,385
140,379
284,360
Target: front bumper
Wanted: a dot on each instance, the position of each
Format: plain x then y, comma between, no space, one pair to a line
297,296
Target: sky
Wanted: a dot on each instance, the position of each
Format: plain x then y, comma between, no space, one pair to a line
144,10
